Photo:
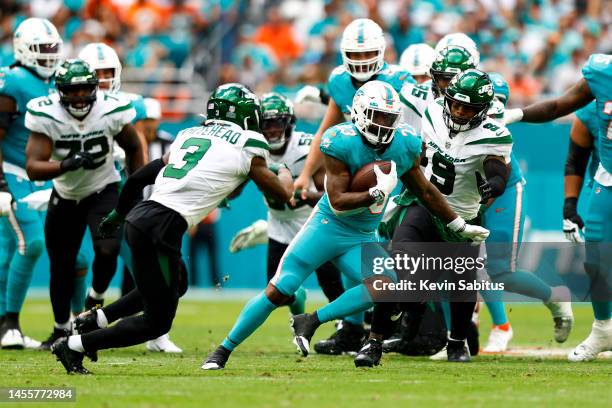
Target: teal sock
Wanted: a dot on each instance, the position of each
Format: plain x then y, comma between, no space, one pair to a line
299,304
77,303
3,273
446,313
498,312
254,313
20,275
356,299
525,283
602,310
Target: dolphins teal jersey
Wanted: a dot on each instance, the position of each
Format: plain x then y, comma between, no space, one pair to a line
588,117
342,88
598,74
21,85
138,103
345,143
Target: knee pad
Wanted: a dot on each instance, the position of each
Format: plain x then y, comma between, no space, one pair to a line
34,248
106,247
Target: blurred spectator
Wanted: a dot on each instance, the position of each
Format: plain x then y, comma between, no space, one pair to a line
277,33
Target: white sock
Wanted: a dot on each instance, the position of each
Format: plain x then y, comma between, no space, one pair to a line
101,319
604,324
95,295
74,342
62,326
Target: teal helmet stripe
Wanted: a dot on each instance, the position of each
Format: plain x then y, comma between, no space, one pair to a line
389,96
100,52
360,33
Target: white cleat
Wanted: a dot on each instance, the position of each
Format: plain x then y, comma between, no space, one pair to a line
498,340
211,366
561,310
12,339
598,341
440,355
163,344
30,343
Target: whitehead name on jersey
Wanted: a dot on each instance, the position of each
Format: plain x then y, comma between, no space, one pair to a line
94,134
193,187
284,222
415,98
452,162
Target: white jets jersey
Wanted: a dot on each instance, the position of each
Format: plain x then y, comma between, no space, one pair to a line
415,98
283,221
94,134
452,162
206,164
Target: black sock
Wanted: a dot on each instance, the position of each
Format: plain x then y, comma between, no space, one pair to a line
127,305
382,325
461,316
11,320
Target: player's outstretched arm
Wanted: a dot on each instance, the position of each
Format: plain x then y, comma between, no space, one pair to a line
129,141
573,99
435,202
338,182
314,161
580,148
278,187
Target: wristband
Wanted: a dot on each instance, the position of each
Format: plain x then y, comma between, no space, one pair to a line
457,225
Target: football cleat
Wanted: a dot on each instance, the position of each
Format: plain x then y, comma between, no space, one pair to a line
55,335
561,312
91,303
70,359
369,355
457,352
598,341
348,338
87,322
498,340
30,343
12,339
163,344
217,359
440,355
304,327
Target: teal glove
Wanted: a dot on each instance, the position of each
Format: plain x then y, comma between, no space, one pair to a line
110,224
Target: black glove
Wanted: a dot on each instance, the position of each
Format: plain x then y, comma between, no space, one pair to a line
76,161
484,188
570,211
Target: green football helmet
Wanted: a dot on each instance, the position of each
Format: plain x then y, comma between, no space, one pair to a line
472,89
77,85
448,63
235,103
278,119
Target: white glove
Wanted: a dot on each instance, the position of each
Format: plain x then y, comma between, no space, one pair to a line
512,115
308,93
248,237
6,203
573,232
474,232
385,183
38,200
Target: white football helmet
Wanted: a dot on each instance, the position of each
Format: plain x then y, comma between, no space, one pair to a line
362,35
376,112
417,59
101,56
462,40
38,45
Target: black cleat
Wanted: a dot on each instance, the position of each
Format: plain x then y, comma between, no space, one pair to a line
91,303
370,354
87,322
70,359
53,337
348,338
304,327
217,359
457,352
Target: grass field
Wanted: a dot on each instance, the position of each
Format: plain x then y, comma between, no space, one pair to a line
267,372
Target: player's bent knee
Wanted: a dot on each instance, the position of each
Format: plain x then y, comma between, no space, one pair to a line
276,297
34,248
377,285
106,248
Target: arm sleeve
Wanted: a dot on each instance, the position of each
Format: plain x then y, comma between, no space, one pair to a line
577,160
496,173
132,190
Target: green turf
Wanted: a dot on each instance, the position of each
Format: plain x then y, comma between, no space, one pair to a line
267,372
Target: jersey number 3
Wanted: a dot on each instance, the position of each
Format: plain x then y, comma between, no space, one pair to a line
191,159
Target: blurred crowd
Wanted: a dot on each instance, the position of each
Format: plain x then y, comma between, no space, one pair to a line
538,45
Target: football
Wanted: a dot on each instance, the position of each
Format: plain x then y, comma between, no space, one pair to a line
365,178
